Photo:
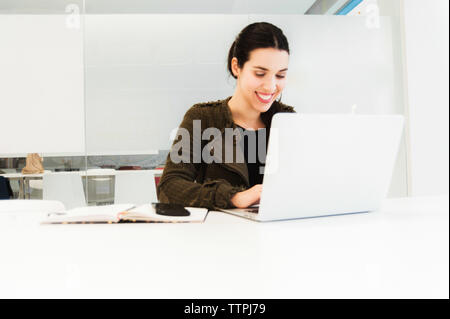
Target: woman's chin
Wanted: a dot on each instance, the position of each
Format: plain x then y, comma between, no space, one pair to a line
262,107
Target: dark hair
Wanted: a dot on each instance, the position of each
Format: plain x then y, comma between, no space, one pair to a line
255,36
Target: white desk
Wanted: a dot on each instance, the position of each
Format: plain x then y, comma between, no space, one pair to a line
400,251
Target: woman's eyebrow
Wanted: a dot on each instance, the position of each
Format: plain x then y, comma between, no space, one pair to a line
260,67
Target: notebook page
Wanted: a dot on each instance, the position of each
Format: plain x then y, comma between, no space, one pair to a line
104,213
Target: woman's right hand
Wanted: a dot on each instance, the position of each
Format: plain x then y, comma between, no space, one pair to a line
248,197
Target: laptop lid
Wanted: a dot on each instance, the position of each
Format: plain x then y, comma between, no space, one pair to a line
328,164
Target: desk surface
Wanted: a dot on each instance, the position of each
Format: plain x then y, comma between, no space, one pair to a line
400,251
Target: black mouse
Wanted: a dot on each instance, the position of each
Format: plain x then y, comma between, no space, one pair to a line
170,209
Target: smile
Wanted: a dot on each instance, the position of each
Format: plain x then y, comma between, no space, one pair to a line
264,98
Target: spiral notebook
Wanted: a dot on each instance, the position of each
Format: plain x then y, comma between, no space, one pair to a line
121,213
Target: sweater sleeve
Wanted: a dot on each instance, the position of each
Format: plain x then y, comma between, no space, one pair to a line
178,182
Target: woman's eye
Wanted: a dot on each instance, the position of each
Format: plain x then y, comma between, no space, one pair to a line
261,75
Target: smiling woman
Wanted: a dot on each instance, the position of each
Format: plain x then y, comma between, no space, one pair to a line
258,59
260,81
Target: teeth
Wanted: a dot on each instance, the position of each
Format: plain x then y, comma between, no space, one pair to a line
264,97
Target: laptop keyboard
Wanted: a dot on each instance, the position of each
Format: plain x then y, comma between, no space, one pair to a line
254,210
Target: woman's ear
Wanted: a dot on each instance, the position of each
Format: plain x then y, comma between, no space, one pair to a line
235,67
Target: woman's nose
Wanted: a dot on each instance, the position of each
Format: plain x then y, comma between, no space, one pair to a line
270,85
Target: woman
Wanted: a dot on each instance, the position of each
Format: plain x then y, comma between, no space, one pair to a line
258,60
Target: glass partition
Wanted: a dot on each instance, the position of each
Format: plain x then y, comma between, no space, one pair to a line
42,94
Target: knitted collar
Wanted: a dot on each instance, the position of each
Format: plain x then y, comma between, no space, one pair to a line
266,117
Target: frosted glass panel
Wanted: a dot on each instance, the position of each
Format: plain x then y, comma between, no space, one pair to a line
41,85
338,61
144,71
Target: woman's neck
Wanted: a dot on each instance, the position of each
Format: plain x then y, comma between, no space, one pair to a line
244,114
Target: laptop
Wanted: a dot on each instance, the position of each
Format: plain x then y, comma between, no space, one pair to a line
326,164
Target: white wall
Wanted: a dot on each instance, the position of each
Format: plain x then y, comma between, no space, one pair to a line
427,72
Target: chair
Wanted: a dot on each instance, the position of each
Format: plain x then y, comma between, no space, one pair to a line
66,187
5,188
36,186
13,183
30,205
100,185
135,187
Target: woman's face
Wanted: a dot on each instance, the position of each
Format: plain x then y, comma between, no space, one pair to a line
263,77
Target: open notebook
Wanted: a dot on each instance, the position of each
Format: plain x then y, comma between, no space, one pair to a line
122,213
